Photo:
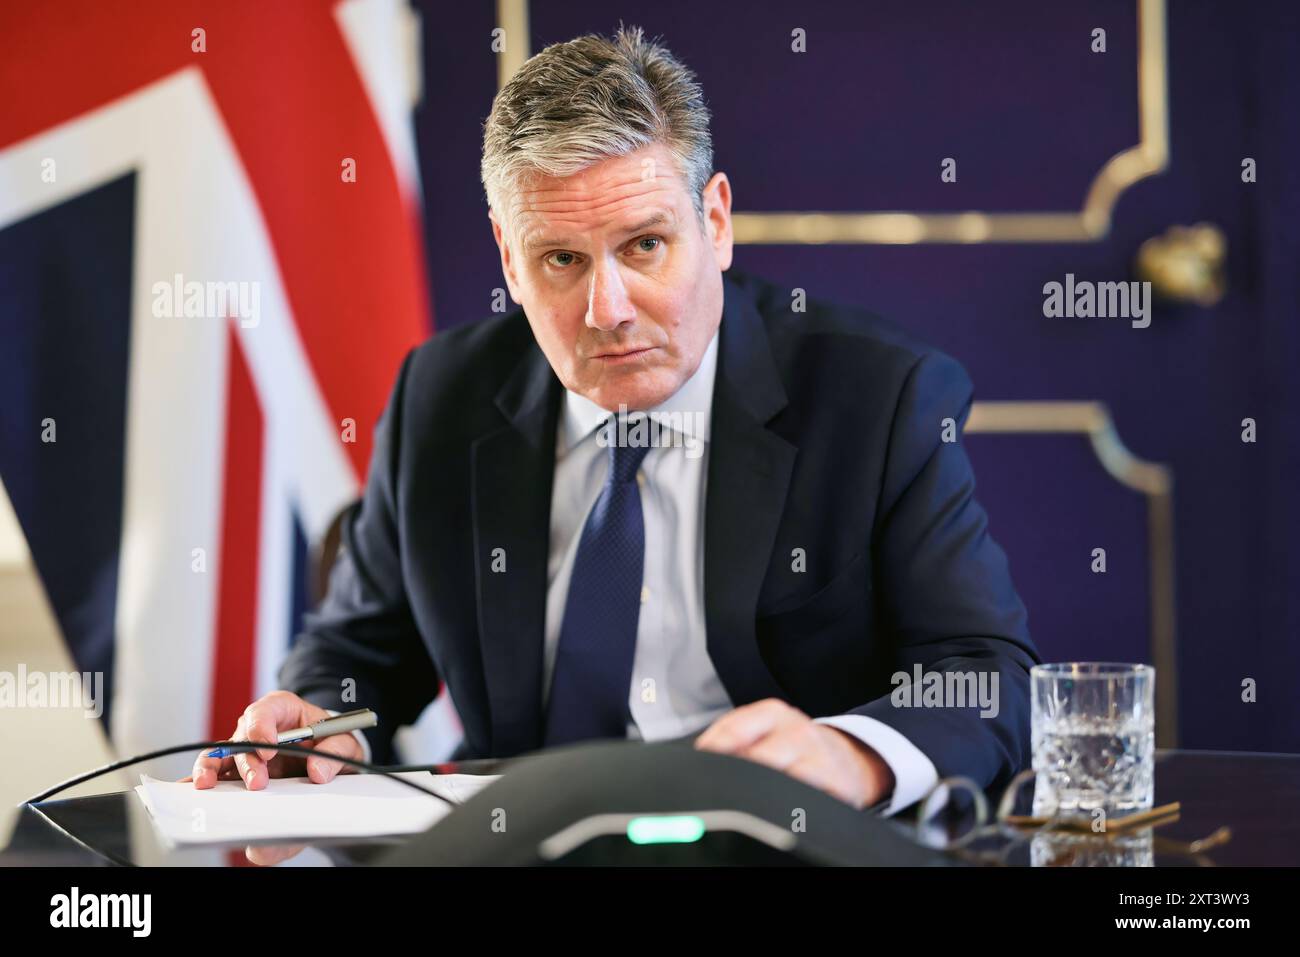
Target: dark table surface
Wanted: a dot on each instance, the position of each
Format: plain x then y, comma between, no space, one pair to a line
1255,796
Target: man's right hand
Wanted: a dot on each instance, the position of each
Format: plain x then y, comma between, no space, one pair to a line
263,720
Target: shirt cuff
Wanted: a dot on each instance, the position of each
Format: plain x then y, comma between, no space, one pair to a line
365,745
914,773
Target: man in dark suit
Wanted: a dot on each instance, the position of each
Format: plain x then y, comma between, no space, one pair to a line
664,498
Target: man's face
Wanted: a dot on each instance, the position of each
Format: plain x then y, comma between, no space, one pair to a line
620,281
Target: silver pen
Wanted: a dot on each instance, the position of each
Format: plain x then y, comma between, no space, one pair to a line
338,724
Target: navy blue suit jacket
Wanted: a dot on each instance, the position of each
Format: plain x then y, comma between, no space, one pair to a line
826,437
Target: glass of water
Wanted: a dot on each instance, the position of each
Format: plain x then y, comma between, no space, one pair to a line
1093,732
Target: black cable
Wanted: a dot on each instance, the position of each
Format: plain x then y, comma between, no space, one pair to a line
245,747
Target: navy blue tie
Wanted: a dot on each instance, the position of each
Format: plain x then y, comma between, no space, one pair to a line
592,677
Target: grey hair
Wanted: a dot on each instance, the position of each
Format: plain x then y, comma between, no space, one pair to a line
593,98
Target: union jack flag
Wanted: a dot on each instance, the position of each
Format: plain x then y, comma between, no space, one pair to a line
210,271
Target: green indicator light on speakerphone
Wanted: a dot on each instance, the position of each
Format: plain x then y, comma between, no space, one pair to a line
678,829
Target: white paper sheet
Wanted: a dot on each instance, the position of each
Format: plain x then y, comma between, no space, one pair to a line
351,805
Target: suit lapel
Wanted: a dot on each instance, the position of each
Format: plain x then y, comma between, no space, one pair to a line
749,476
513,468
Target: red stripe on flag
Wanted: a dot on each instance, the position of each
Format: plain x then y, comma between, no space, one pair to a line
296,108
236,631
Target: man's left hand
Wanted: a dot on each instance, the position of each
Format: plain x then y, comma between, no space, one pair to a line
781,736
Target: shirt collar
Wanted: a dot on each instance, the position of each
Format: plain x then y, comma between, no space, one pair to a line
688,409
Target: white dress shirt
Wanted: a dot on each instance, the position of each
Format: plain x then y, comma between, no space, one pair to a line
675,689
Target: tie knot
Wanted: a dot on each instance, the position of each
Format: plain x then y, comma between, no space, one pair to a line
628,446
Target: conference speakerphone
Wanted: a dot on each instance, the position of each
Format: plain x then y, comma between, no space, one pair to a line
656,804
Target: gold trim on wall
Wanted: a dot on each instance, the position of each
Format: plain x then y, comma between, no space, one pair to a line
512,17
1152,480
1090,224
